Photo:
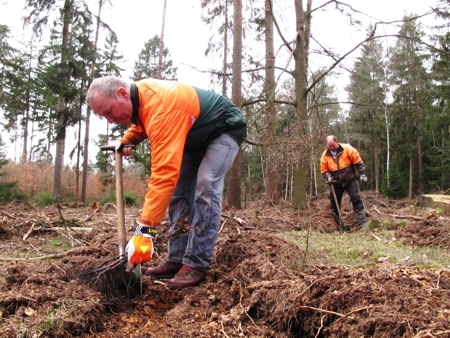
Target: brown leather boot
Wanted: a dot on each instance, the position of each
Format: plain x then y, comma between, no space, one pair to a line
187,276
167,270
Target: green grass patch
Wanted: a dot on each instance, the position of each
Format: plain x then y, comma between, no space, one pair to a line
42,199
364,249
58,244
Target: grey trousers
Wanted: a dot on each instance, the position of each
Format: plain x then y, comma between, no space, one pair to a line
196,205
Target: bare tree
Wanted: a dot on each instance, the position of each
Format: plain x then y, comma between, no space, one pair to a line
234,179
303,23
271,149
161,42
88,109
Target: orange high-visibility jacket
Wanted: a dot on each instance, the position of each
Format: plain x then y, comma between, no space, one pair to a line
176,118
343,170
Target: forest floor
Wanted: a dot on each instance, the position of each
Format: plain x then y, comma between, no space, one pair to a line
57,282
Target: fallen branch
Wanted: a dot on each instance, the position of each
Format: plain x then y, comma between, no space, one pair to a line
89,217
8,215
238,220
416,218
221,226
376,237
322,310
28,232
73,228
271,284
58,255
59,208
358,310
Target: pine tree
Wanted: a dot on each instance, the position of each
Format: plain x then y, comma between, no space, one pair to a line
366,115
411,99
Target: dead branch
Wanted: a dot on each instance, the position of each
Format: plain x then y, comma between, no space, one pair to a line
321,310
28,232
221,227
7,215
89,217
59,207
238,220
271,284
57,267
376,237
357,310
416,218
58,255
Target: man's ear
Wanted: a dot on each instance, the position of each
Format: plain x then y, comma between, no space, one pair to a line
123,93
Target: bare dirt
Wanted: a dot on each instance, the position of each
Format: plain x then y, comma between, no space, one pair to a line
256,287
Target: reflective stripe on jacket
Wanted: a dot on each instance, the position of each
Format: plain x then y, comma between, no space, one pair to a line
342,170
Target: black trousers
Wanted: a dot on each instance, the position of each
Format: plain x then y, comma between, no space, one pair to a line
352,190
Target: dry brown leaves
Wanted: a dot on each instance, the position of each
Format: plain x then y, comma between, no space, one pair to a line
255,288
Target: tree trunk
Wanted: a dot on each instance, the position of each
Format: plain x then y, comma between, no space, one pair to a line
410,189
271,183
300,55
77,167
388,146
225,52
420,164
88,113
234,179
377,166
26,115
161,42
61,123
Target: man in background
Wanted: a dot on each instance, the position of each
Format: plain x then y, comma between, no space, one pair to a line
339,165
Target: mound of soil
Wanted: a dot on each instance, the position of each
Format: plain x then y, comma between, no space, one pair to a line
257,286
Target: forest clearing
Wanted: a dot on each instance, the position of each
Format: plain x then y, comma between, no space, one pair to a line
276,273
282,268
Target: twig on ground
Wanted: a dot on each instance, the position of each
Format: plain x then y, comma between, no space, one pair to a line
416,218
56,266
28,232
58,255
223,331
221,226
321,326
59,207
357,310
89,217
322,310
7,215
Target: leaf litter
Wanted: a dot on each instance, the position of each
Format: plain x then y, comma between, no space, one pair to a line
258,286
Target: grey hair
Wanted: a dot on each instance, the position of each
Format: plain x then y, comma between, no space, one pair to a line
105,86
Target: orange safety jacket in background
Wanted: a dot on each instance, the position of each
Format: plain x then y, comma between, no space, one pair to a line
342,170
176,118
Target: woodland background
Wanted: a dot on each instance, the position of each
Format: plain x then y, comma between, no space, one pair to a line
397,113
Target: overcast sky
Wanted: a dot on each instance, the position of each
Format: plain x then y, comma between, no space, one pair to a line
186,37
